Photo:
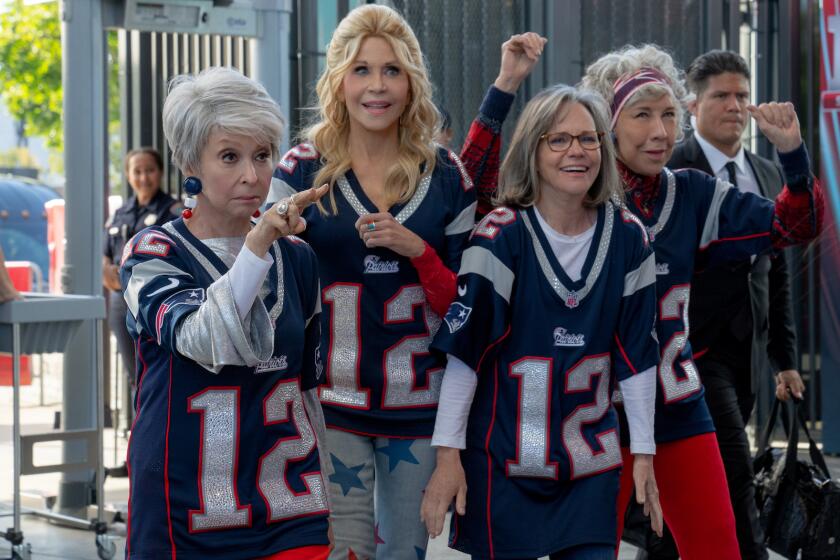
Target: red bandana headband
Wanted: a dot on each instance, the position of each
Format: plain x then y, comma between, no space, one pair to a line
627,85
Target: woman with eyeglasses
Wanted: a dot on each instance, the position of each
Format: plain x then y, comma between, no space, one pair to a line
556,304
692,220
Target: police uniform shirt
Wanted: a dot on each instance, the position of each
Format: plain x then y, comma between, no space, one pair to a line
131,217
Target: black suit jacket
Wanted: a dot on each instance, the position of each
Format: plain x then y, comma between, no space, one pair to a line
742,311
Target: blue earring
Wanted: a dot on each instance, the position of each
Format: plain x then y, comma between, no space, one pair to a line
192,186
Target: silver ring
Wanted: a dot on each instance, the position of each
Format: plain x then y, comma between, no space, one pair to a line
283,206
371,226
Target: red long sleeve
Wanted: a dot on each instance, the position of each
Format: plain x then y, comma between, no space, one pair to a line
438,281
483,145
799,215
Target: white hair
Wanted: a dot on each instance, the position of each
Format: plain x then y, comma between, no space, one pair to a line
217,99
602,75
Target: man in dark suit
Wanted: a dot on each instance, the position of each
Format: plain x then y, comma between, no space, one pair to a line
740,314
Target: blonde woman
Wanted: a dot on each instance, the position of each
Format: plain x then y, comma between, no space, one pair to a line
388,237
552,295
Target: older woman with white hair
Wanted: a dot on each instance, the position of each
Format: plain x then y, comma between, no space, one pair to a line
224,313
551,293
693,219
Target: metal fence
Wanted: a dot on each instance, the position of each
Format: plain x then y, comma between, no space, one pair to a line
148,61
461,40
675,24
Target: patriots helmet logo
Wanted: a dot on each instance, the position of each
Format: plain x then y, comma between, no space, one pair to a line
457,316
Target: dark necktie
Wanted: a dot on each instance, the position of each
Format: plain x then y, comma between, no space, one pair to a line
730,168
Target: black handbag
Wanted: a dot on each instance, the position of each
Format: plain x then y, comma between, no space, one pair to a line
798,502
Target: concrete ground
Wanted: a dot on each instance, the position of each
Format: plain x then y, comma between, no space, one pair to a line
51,541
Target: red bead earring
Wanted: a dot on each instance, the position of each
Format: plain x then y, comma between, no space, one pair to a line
192,186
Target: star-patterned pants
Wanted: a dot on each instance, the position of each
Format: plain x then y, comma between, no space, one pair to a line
376,486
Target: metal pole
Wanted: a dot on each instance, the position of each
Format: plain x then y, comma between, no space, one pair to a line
100,436
16,422
117,409
714,24
40,380
564,60
83,77
271,46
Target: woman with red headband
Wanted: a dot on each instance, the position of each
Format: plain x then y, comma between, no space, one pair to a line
692,220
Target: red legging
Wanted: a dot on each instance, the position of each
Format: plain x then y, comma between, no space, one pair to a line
694,497
316,552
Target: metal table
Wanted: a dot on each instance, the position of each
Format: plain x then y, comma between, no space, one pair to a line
41,323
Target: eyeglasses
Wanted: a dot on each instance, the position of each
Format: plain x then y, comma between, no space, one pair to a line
562,141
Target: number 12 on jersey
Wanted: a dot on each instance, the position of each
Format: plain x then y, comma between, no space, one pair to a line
220,507
591,374
400,389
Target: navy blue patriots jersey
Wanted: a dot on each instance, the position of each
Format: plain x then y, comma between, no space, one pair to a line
542,448
697,221
376,326
222,465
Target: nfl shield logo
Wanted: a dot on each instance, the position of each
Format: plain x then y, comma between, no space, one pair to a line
457,316
572,300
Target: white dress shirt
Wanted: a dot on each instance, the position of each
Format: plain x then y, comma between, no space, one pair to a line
718,160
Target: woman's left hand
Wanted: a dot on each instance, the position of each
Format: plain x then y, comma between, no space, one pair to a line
382,230
779,123
520,54
647,493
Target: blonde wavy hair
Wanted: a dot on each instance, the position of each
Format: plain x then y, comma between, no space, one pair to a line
519,177
602,75
329,133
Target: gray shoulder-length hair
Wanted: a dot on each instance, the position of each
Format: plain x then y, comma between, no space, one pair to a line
217,99
519,182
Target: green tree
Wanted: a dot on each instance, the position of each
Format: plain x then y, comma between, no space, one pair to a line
30,68
30,78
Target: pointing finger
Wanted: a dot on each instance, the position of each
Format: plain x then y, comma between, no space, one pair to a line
310,196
